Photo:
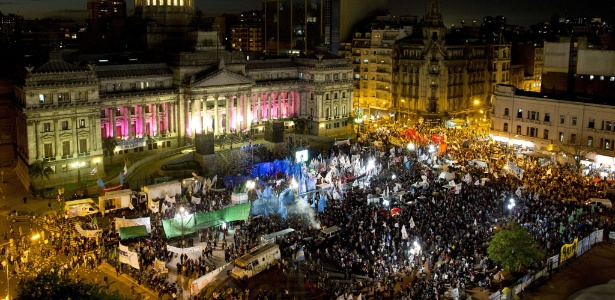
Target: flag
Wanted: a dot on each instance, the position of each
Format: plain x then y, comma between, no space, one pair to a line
300,255
412,225
94,221
404,233
125,169
94,171
121,179
549,172
101,183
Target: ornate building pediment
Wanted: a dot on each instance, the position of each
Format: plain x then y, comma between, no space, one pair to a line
221,78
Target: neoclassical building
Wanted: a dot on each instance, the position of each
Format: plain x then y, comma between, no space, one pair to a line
66,111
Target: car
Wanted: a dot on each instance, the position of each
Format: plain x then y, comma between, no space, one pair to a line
19,216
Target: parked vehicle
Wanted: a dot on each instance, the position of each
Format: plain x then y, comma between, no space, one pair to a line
80,208
116,200
328,233
19,216
597,201
259,259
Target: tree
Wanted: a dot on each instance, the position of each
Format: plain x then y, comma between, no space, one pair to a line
48,284
514,248
576,149
109,145
39,170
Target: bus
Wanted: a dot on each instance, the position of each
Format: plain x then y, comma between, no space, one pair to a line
259,259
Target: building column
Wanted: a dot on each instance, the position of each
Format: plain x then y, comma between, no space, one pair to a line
227,128
157,106
75,139
258,108
92,123
246,111
56,129
216,124
129,121
113,116
167,117
143,121
171,125
269,106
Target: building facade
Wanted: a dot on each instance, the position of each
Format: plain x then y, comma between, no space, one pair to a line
566,128
298,26
67,112
247,32
437,79
103,9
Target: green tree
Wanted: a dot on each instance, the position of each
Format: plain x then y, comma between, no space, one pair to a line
514,248
109,145
48,284
39,170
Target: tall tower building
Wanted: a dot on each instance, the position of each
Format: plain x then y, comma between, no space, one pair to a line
166,22
296,26
104,9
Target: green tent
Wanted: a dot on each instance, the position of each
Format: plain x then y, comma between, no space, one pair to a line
176,226
133,231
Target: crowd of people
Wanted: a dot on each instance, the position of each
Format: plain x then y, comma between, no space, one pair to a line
435,244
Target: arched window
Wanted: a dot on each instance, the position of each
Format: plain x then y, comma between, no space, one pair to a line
505,127
335,112
506,112
327,112
343,110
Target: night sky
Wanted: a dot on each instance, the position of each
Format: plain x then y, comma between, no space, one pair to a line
520,12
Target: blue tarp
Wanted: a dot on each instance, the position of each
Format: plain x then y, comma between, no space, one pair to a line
322,203
285,166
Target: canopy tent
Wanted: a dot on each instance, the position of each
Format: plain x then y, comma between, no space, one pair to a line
208,224
177,226
133,231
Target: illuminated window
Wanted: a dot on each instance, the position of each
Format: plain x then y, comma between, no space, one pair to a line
591,77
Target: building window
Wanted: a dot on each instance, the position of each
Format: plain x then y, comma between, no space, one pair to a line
66,148
562,119
546,134
518,129
83,145
607,145
62,97
327,115
609,126
573,138
506,112
574,121
547,117
41,98
505,127
533,115
612,78
591,77
64,125
519,113
590,141
46,127
561,137
592,123
81,123
48,149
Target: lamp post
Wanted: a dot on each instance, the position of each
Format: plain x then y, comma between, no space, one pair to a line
77,165
183,213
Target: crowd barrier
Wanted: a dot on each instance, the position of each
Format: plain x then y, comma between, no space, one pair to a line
567,252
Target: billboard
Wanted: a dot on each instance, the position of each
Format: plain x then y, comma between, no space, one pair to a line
301,155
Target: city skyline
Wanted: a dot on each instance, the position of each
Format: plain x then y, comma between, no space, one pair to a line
523,12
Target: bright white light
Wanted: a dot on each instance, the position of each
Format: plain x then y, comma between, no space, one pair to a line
432,149
371,164
394,176
416,244
411,147
294,184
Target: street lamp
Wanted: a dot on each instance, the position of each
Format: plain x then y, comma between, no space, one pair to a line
77,165
182,214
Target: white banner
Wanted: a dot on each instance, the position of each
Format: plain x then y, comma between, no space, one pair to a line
184,250
87,233
554,261
596,237
201,282
516,171
128,257
121,222
160,266
196,200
